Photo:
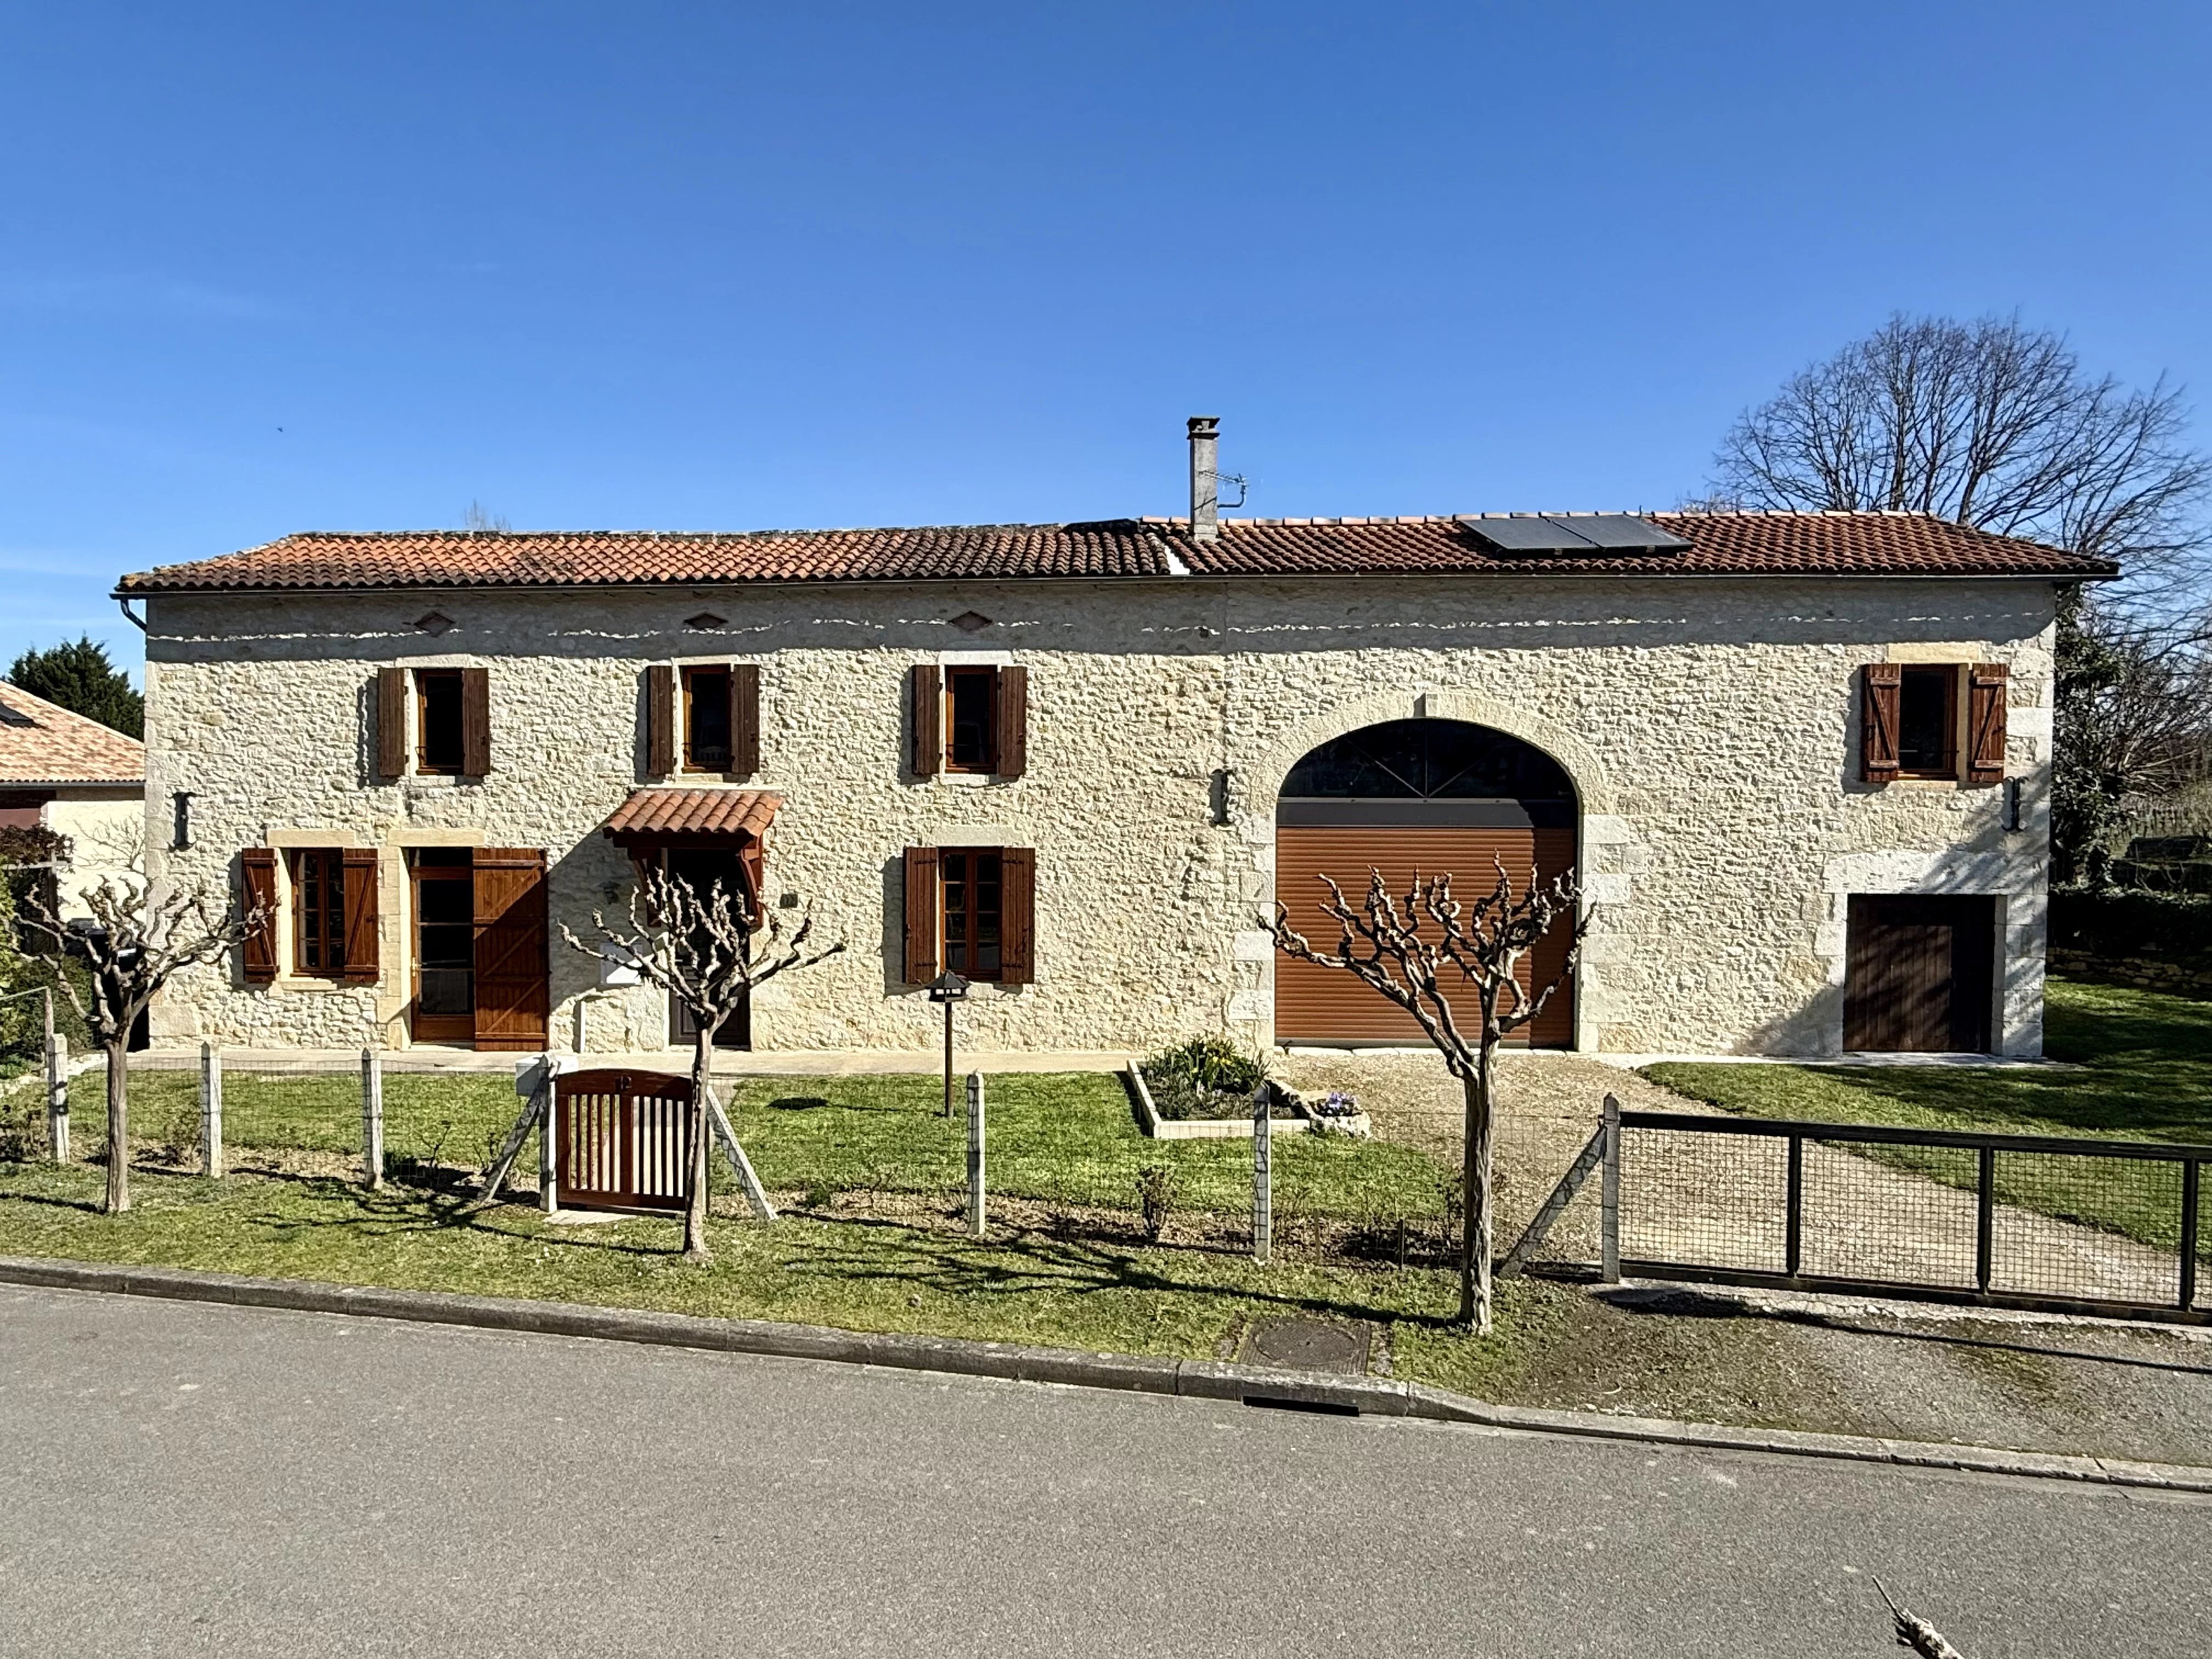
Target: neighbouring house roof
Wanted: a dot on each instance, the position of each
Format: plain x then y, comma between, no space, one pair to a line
654,814
1720,544
42,743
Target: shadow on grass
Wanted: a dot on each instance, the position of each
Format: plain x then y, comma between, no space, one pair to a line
1693,1304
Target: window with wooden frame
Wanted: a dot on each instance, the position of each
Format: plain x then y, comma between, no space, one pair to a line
969,718
1943,721
706,719
971,909
1928,721
319,912
333,923
438,719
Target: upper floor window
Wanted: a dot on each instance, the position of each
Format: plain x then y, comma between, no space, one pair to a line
967,718
433,720
1944,722
706,719
703,717
438,742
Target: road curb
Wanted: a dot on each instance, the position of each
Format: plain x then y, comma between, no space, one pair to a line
1196,1378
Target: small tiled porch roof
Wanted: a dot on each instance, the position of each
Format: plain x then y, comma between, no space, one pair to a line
664,815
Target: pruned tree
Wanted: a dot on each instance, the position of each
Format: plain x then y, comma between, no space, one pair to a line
1993,424
709,949
1417,951
142,934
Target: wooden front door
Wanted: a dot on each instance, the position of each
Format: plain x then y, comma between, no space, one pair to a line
622,1140
513,990
1918,974
1329,1005
703,871
443,1007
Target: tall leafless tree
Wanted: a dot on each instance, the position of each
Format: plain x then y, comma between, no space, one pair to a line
142,935
709,949
1997,425
1417,951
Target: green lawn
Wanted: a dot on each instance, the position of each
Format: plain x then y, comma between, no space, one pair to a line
2141,1070
1032,1285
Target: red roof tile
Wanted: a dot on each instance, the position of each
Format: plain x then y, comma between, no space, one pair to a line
695,813
1720,544
41,742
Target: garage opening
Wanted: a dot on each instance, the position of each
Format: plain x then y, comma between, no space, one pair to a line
1433,796
1919,973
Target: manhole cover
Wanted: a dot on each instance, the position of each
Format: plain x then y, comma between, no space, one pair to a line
1306,1344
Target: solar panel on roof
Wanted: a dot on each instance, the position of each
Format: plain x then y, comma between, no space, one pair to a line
1528,535
1580,532
1619,530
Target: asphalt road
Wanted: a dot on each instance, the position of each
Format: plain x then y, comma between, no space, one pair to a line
181,1479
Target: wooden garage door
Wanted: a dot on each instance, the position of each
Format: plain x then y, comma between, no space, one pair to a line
1328,1005
1919,973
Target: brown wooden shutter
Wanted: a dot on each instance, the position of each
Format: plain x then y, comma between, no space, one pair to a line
513,993
923,928
1878,685
926,703
391,722
659,720
475,722
1013,711
744,717
1017,914
257,951
1987,683
360,866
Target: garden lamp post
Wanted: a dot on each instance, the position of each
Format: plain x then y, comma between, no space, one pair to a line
948,988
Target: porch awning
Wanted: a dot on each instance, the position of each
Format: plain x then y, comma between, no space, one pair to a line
728,818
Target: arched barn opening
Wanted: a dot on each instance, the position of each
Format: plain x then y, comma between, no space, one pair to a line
1436,796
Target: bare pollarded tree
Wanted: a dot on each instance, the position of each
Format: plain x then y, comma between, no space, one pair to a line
1417,951
709,948
142,934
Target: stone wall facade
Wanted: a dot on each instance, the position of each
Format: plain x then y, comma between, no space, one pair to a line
1710,728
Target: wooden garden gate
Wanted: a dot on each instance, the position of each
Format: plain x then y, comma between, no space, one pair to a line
623,1140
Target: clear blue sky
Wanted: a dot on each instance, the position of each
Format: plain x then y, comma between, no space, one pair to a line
723,266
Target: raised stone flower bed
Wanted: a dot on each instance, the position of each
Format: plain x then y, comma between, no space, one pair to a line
1292,1115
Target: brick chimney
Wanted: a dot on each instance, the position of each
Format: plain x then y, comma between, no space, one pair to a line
1205,478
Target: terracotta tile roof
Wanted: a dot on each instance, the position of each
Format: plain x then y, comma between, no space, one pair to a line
1720,544
695,813
42,743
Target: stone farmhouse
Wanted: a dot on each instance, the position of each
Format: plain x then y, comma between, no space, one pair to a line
1801,762
82,783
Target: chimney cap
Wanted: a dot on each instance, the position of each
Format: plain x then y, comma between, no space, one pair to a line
1205,426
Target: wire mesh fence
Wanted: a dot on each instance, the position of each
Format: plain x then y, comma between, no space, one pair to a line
2007,1219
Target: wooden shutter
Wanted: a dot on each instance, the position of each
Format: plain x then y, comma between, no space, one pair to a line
1017,914
475,722
359,867
514,995
257,951
1013,712
1987,683
923,929
659,720
744,717
391,722
926,703
1878,687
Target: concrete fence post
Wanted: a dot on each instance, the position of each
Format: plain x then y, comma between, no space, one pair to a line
1609,1193
212,1162
977,1219
1263,1172
372,1119
57,1127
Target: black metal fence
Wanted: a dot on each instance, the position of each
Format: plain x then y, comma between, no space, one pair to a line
2020,1221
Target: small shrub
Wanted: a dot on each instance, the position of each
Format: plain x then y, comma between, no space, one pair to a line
1156,1195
